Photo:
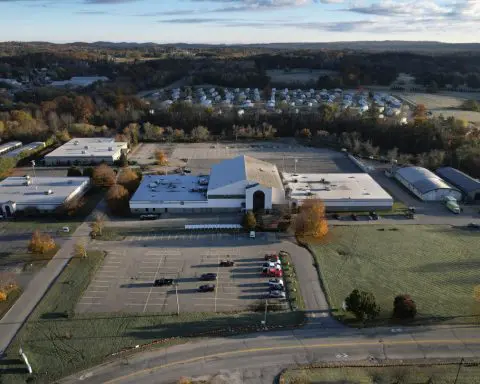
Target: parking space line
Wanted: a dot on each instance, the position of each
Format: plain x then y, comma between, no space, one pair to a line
101,281
93,297
89,303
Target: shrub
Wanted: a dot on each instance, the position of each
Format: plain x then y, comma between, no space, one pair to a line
249,221
404,307
362,305
41,243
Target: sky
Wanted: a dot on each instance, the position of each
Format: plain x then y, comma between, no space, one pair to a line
239,21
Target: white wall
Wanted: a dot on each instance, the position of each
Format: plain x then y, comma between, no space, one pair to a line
249,196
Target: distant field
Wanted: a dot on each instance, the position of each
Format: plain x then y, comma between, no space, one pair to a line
297,75
437,265
447,105
439,374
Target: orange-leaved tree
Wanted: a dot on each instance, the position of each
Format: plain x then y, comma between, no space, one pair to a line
103,176
161,158
129,179
118,199
41,243
311,221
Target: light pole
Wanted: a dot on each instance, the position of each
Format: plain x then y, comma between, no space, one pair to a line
33,168
296,161
176,294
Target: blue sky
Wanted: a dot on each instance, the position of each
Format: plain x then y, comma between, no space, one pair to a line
239,21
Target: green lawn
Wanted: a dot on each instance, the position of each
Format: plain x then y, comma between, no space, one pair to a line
59,342
438,374
11,298
437,265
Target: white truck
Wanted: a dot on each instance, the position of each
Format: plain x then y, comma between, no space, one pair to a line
452,204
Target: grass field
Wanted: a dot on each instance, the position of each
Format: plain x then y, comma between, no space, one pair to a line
438,374
437,265
59,342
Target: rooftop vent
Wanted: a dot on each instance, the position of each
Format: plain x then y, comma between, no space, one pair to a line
75,142
27,183
27,177
84,152
49,192
110,148
86,147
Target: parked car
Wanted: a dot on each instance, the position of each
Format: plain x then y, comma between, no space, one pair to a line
66,229
162,282
272,272
276,287
336,216
270,256
148,217
277,295
252,234
473,225
410,215
187,170
206,288
275,281
208,276
373,215
227,263
354,216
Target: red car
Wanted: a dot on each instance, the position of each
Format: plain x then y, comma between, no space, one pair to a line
272,272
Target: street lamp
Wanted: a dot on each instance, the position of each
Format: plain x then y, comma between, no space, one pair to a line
296,161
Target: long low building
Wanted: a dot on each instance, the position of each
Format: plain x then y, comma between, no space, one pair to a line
469,186
338,191
241,183
10,146
90,150
426,185
26,149
42,193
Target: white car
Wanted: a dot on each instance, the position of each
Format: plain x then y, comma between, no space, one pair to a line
272,264
275,281
277,295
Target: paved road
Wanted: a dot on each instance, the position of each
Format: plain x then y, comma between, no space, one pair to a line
258,358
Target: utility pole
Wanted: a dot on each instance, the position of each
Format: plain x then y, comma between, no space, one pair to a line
458,372
176,294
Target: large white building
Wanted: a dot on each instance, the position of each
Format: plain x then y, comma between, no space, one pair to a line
426,185
42,193
241,183
338,191
90,150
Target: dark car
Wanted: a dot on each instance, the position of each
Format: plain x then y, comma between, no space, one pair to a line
227,263
162,282
410,215
206,288
187,170
336,216
373,215
473,225
354,216
208,276
148,217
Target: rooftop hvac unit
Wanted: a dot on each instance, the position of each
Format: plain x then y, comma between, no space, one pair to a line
27,183
110,149
27,177
86,147
84,152
49,192
75,142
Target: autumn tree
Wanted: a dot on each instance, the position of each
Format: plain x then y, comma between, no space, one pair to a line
7,284
249,221
123,160
305,132
97,225
404,307
103,176
118,199
161,157
129,179
70,207
420,112
200,133
41,243
311,221
80,250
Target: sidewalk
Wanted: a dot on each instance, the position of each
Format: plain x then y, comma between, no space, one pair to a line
41,282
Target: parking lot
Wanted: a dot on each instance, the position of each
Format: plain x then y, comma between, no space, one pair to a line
124,283
288,156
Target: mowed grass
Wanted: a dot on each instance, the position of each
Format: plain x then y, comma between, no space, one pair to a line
438,374
437,265
59,342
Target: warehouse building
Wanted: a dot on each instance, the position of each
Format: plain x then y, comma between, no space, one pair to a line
426,185
241,183
26,149
469,186
91,150
10,146
338,191
44,194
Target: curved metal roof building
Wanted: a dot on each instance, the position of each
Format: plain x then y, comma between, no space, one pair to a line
425,184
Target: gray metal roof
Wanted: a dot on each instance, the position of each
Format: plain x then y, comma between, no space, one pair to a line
422,179
461,180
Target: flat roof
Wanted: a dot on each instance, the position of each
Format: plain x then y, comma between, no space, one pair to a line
334,186
15,189
157,188
25,148
89,147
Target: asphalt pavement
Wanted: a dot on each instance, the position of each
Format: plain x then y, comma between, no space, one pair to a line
258,358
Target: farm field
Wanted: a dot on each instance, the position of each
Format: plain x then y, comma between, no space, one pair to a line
441,374
436,265
446,105
297,75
